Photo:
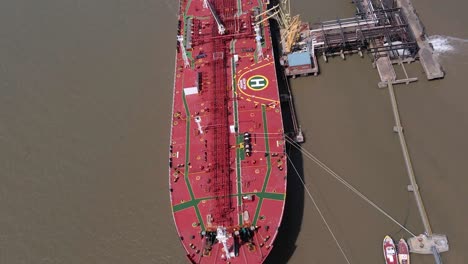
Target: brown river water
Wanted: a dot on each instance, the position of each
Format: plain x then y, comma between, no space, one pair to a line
85,103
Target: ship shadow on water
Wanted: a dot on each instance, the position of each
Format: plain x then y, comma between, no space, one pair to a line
285,242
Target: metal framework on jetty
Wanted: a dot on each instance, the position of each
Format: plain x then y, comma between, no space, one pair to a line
391,32
388,30
227,154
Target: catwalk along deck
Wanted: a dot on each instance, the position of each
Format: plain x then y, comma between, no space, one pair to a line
227,166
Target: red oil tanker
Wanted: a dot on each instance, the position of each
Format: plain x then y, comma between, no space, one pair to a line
227,166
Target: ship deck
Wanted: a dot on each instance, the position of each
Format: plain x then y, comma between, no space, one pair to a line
227,150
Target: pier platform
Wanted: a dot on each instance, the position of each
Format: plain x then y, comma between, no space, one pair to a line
423,244
430,65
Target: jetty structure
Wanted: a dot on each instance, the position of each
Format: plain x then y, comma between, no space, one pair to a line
227,155
389,30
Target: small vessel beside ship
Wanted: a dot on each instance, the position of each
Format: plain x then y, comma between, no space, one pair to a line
227,160
403,252
393,254
227,165
389,251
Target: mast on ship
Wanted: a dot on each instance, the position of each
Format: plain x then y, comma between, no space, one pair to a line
210,54
290,27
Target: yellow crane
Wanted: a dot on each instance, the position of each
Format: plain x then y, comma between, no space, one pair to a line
290,26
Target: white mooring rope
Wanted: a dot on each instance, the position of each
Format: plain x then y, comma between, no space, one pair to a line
344,182
319,211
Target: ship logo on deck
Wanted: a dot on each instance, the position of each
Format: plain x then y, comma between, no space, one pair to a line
257,82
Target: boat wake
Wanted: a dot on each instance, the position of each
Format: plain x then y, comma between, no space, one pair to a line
447,44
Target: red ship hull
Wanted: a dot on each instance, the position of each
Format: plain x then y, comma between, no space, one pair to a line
403,252
227,167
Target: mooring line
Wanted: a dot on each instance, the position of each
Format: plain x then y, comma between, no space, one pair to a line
344,182
318,210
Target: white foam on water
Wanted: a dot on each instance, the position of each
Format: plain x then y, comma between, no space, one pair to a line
447,44
173,6
441,44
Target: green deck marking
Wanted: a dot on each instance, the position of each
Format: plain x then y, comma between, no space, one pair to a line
239,7
187,7
273,196
183,206
240,139
187,157
187,148
267,147
267,177
236,126
202,17
257,211
190,57
189,53
239,185
263,36
260,5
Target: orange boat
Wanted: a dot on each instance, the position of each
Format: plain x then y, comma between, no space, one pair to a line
389,251
403,252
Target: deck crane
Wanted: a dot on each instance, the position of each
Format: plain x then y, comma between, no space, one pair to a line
290,34
271,13
221,28
180,39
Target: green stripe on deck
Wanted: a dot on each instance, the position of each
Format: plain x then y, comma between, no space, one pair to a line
187,158
236,128
260,195
183,206
239,7
187,7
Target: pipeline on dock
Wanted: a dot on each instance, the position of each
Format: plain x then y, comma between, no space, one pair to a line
389,30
